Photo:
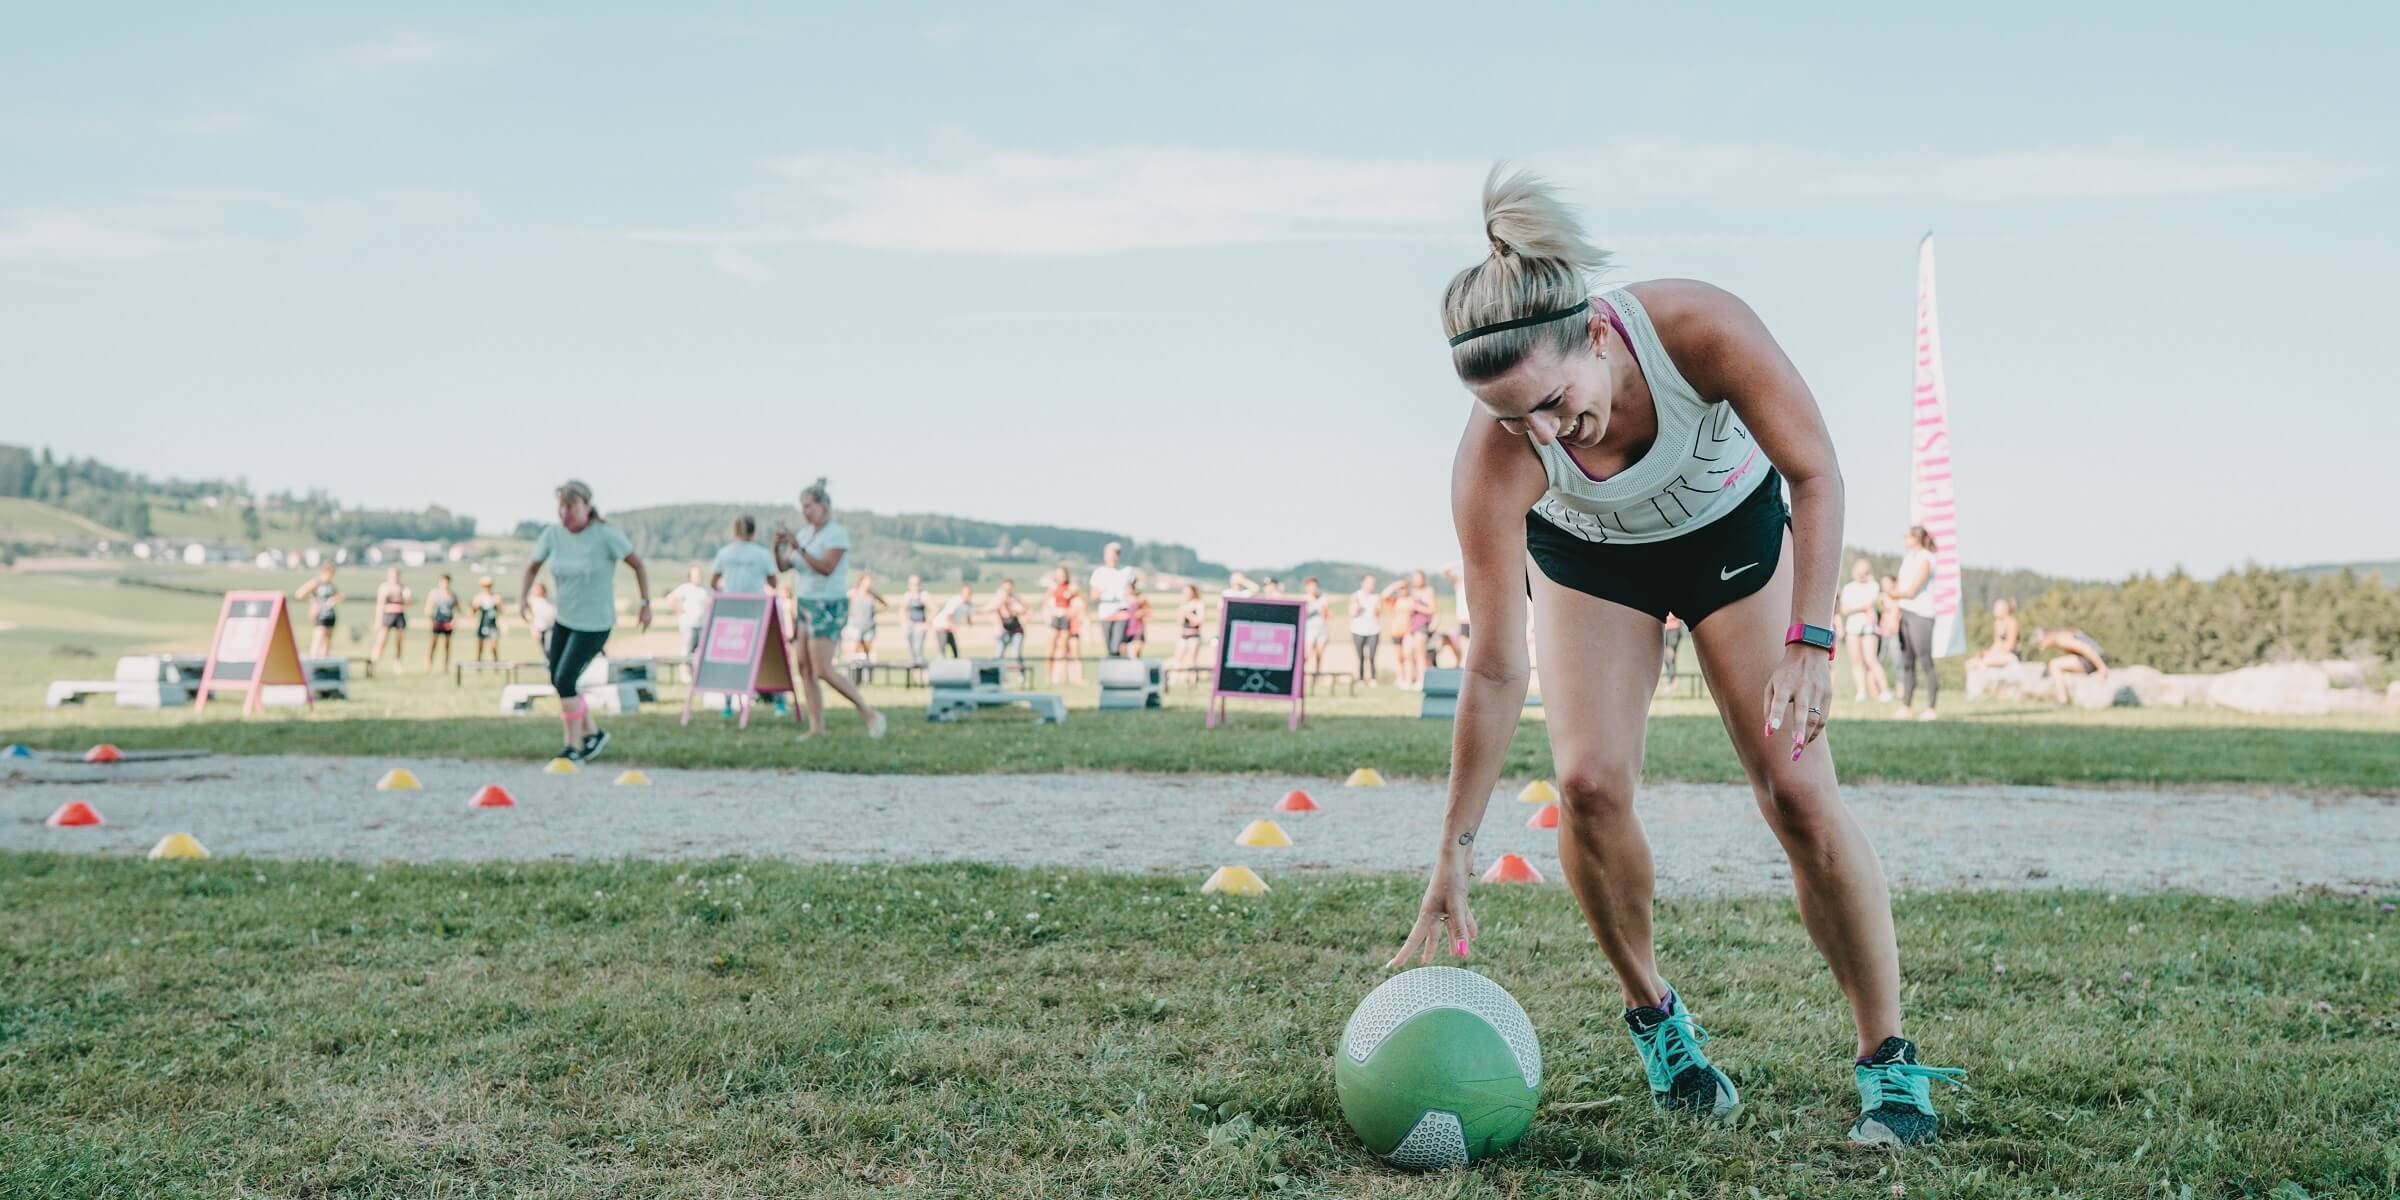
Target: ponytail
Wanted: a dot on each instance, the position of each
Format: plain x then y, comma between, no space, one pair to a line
1520,297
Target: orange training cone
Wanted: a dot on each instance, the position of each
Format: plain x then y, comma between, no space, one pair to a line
493,796
73,813
1545,817
1235,881
1295,801
103,753
1539,792
1512,869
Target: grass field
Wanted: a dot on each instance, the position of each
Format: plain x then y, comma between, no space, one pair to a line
74,624
238,1028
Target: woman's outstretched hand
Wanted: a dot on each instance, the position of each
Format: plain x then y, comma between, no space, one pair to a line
1445,906
1798,694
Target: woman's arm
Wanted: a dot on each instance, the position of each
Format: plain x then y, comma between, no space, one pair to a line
525,590
1494,480
822,566
641,581
1733,357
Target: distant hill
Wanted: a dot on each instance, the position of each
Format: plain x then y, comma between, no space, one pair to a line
33,521
45,499
901,544
2388,571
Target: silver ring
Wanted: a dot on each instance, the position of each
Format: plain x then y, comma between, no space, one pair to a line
1816,712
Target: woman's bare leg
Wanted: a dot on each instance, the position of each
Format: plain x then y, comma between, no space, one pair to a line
1601,659
1844,902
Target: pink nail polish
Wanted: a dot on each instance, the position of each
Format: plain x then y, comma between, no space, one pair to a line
1796,753
1461,948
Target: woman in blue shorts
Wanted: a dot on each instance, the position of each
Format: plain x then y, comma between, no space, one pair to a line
816,555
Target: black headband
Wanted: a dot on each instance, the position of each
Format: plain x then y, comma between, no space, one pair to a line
1520,322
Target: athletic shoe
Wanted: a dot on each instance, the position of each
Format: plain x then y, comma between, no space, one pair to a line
1681,1077
1895,1104
875,727
1927,715
593,745
573,754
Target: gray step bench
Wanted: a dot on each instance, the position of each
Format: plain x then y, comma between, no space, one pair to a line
1132,683
1441,694
962,686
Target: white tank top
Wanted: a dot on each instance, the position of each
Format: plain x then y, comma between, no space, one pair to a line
1702,466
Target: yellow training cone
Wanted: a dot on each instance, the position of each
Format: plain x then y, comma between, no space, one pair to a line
1539,792
632,779
399,779
1236,881
1263,833
560,766
179,845
1364,777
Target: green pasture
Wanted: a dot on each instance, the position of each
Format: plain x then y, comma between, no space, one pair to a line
235,1028
72,624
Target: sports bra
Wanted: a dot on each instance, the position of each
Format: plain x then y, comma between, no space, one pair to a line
1702,465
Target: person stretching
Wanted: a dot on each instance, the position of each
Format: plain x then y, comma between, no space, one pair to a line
322,596
582,551
1633,446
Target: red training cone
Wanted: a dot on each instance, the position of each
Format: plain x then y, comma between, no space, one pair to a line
1545,817
73,813
1296,801
1512,869
103,753
493,796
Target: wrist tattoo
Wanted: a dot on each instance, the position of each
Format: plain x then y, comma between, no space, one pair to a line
1466,838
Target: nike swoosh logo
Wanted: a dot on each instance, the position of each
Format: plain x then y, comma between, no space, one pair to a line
1723,574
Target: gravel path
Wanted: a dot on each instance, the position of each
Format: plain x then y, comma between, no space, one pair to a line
1707,838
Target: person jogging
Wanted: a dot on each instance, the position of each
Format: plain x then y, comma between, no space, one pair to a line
582,551
1634,445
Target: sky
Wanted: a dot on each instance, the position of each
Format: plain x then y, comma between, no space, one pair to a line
1174,270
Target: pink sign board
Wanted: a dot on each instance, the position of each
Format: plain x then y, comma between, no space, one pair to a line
732,640
1259,644
1258,654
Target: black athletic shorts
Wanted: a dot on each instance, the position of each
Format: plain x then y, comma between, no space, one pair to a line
1691,576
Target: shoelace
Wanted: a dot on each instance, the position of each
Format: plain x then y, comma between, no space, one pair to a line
1903,1083
1668,1047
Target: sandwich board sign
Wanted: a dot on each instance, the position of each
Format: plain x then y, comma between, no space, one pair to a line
742,652
1258,655
253,650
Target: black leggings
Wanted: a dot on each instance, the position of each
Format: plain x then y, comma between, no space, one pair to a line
949,643
570,651
1916,650
1364,644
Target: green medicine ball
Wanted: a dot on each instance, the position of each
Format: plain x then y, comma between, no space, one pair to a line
1438,1068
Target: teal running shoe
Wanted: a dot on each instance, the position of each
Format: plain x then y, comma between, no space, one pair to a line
1681,1077
1895,1102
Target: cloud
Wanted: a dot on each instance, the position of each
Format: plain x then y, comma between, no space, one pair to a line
166,225
967,199
396,49
66,236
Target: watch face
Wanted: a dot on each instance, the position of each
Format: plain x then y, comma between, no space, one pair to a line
1817,635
